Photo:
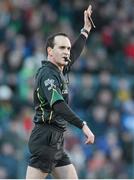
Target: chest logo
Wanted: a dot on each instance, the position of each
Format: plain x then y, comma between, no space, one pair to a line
50,84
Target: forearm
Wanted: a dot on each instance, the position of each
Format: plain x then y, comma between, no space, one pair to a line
75,52
77,47
85,31
65,111
79,44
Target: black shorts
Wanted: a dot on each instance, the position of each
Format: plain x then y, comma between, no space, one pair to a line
46,148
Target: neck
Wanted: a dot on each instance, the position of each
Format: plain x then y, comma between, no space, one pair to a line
59,67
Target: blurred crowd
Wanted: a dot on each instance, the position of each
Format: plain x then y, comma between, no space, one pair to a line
101,83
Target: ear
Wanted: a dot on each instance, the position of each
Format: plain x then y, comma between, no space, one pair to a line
49,51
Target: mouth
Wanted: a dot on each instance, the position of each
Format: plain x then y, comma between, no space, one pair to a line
66,59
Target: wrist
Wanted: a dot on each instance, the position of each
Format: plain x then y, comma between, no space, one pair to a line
83,30
84,123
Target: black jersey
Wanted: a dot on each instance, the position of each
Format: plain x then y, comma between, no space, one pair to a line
51,85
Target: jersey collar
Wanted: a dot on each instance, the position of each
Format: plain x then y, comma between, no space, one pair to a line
50,64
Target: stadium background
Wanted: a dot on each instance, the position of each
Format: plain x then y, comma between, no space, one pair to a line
101,82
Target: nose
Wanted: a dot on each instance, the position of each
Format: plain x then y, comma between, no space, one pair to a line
66,52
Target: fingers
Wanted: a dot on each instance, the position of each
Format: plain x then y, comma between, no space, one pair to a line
87,14
89,7
89,10
90,140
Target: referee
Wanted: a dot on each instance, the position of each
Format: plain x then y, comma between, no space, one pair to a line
51,110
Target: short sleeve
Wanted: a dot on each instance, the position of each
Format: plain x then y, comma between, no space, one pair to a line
51,88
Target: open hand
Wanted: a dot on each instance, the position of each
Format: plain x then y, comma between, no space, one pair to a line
87,15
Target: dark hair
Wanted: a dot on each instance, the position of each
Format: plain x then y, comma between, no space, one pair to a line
50,40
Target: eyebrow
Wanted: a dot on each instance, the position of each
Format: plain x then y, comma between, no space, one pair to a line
69,47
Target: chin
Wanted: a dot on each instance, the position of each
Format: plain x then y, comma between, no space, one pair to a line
62,64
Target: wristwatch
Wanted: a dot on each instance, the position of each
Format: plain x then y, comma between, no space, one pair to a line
84,123
85,31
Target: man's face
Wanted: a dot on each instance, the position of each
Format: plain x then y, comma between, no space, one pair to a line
60,51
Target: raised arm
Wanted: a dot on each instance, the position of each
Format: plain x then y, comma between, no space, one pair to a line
79,44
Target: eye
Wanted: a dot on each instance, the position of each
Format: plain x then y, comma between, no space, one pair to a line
62,47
